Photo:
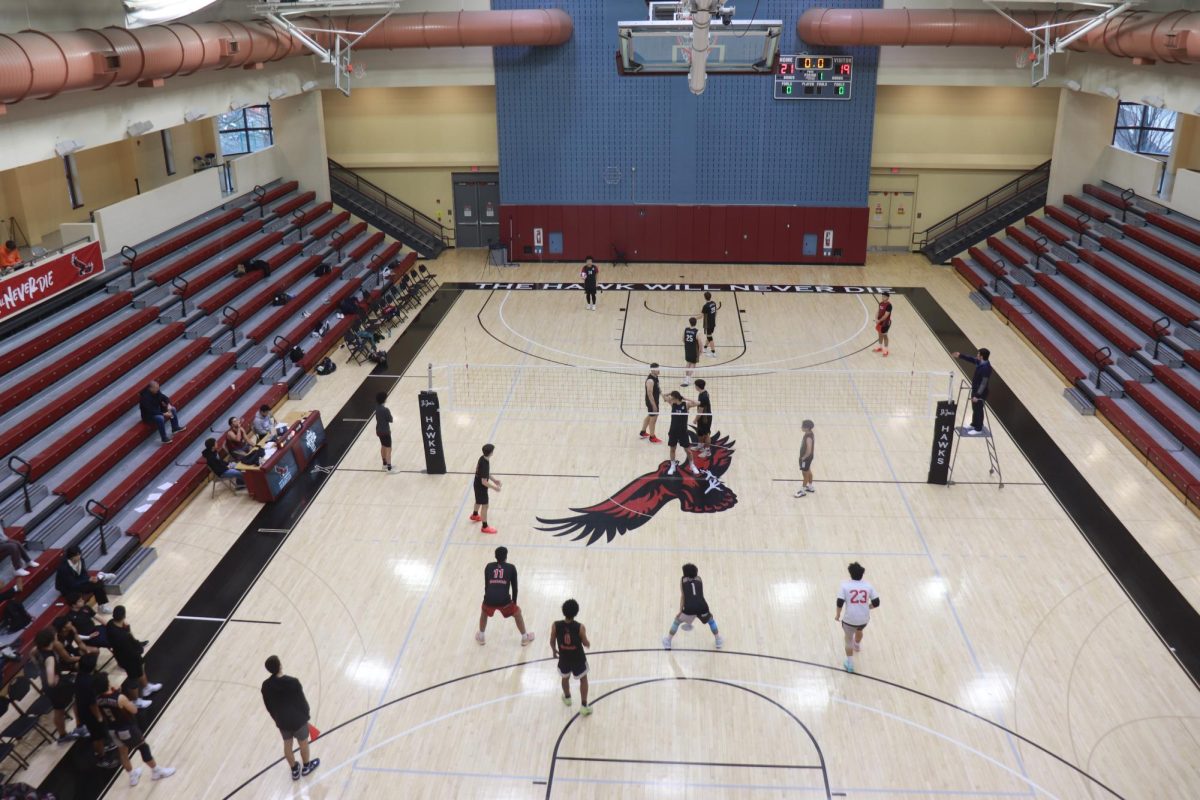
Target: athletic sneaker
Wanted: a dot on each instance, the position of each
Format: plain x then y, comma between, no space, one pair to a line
885,353
150,689
487,529
686,383
877,350
849,665
475,518
142,703
135,776
105,609
526,638
566,700
310,766
33,564
161,772
671,469
586,711
666,643
22,573
654,440
810,489
643,435
973,432
720,641
479,637
800,492
296,771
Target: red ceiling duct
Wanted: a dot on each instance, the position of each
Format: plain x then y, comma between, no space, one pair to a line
34,64
1172,37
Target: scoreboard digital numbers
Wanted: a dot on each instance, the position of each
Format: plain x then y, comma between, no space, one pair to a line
805,77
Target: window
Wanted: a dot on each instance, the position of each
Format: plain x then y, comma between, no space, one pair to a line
1144,129
73,189
247,130
168,151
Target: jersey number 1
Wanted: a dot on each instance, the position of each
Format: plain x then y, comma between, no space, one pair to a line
498,573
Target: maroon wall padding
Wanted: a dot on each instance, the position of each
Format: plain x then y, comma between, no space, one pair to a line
721,234
67,363
1139,259
164,248
63,331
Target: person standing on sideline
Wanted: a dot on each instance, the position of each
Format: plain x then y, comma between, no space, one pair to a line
589,274
678,434
703,419
691,350
127,651
89,716
156,409
284,698
883,323
500,594
692,605
56,686
980,385
483,482
855,600
383,429
652,395
119,715
567,640
709,312
808,448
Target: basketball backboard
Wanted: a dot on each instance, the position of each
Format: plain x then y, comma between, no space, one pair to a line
651,47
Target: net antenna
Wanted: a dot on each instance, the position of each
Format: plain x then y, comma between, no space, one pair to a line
1055,36
284,15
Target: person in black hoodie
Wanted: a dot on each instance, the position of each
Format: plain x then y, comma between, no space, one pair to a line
127,650
156,409
284,698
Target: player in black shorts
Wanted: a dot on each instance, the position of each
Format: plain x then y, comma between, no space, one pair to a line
383,429
709,313
589,274
691,350
567,640
692,605
500,594
652,395
808,448
484,481
703,419
678,433
119,715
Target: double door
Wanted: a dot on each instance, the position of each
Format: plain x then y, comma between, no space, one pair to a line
476,208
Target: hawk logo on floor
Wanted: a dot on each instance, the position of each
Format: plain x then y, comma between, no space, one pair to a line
637,503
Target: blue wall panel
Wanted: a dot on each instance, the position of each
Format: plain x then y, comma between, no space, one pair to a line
565,115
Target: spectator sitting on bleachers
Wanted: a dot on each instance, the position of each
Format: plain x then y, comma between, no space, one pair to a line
157,409
219,466
237,439
83,620
15,551
349,306
264,423
73,578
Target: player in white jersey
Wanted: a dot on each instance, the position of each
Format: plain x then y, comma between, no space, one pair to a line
855,600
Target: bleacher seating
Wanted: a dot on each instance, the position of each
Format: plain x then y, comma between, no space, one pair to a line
1107,287
172,310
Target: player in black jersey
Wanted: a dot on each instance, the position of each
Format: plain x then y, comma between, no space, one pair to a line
703,419
709,312
589,274
483,482
652,394
119,715
692,605
500,594
691,350
678,433
567,640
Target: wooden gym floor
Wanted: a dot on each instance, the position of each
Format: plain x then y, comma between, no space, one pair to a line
1005,660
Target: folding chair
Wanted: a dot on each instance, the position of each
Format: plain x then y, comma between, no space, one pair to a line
428,277
26,722
42,705
217,480
358,350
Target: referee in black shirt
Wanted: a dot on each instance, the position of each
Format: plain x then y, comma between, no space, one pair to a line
981,383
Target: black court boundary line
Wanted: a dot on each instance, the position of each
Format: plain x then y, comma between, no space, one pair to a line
178,650
716,653
554,757
1161,604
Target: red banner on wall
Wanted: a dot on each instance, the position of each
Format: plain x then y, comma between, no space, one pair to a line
29,286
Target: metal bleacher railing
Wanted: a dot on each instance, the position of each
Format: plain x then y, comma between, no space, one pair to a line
421,232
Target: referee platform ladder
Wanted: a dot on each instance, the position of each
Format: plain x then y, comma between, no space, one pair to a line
963,431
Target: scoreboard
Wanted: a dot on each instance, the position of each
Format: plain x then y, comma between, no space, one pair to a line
808,77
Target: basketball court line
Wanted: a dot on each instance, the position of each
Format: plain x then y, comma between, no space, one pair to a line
668,762
738,316
670,653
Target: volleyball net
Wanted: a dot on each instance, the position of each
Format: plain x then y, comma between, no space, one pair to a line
617,393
